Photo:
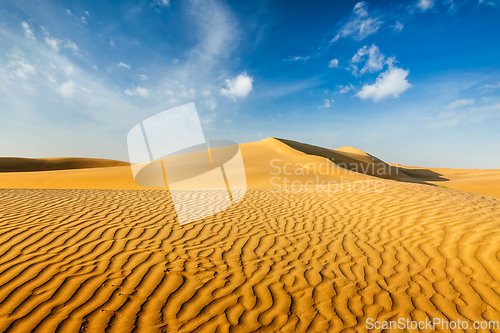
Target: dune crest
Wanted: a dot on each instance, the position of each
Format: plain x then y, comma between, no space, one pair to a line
352,150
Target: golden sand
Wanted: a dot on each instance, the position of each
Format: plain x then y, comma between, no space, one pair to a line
85,251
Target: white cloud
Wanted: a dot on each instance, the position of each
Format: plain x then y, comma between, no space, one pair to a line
459,103
17,67
425,4
360,24
492,3
334,63
345,89
374,63
398,26
143,77
111,42
67,89
138,91
297,58
211,104
327,103
123,65
36,98
238,87
163,3
27,31
53,43
175,61
69,12
375,60
86,13
389,84
70,45
84,20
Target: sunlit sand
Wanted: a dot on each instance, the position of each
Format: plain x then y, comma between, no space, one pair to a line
85,249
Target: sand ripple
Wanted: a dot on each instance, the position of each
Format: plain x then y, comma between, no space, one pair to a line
117,261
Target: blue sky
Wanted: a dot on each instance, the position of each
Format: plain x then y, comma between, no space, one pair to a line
411,82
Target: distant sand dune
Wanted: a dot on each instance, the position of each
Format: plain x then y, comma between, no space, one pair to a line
17,164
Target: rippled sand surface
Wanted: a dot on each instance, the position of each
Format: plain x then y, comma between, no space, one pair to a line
117,261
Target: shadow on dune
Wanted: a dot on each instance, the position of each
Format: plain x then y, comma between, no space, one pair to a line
367,164
423,174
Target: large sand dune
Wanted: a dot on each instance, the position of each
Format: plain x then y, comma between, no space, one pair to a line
116,260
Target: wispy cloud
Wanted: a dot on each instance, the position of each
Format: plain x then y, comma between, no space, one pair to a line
459,103
492,3
27,31
398,26
425,4
16,67
471,115
360,24
297,58
326,104
344,89
53,43
56,44
40,88
162,3
137,91
373,63
490,87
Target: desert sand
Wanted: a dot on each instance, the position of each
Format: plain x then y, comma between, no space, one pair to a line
87,250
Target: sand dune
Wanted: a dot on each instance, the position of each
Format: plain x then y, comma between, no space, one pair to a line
262,159
17,164
116,260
